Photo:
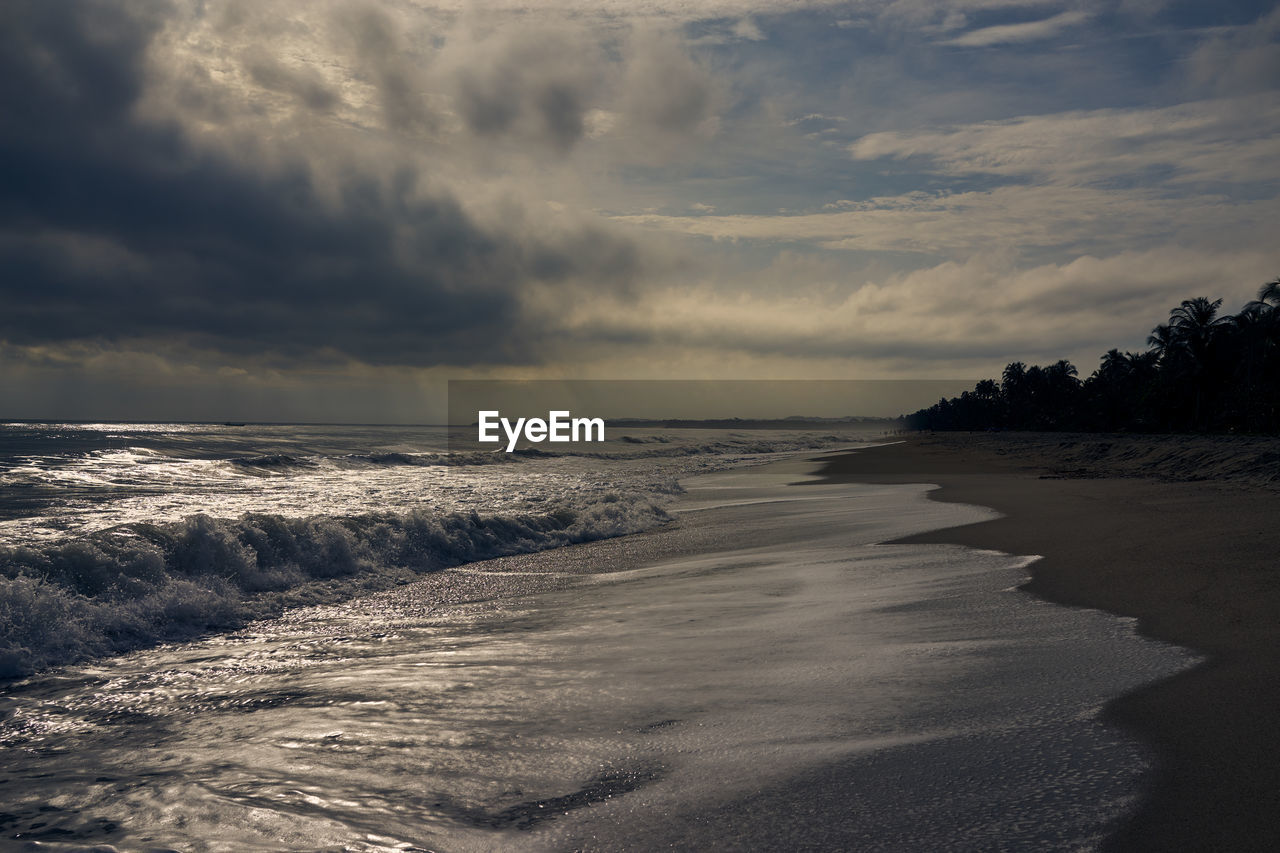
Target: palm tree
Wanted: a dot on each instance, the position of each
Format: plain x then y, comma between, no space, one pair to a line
1195,323
1161,340
1195,328
1269,294
1114,367
1258,331
1201,370
1015,392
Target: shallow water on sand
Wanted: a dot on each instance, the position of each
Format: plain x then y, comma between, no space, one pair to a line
790,683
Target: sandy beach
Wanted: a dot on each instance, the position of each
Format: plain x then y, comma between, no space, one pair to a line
761,674
1177,532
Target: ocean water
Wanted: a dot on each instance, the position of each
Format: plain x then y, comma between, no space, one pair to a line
116,536
755,672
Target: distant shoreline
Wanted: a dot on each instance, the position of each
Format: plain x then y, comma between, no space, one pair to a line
753,423
1194,562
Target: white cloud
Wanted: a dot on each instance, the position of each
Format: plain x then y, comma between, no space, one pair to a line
747,29
976,314
1242,59
657,10
1206,141
934,17
1020,33
1021,218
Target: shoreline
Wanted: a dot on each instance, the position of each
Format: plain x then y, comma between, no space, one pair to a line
1193,562
826,792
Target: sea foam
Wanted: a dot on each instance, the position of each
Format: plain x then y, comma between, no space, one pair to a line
142,583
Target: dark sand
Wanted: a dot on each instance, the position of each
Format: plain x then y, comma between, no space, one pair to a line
1195,562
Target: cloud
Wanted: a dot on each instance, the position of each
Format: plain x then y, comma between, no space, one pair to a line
817,124
1224,141
553,84
119,226
748,29
383,57
667,11
363,188
532,84
1060,219
1020,33
932,17
1242,59
302,83
669,101
977,314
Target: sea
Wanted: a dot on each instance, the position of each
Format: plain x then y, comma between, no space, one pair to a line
364,638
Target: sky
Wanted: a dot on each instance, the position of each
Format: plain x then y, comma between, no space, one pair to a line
322,210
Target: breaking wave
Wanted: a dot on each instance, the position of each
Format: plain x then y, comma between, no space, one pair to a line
395,459
143,584
283,462
272,461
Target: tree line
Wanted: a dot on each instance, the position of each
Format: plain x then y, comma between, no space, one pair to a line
1201,372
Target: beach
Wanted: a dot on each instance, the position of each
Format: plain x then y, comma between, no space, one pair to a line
1177,532
760,673
542,426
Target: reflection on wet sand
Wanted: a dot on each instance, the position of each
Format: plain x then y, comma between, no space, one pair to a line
764,670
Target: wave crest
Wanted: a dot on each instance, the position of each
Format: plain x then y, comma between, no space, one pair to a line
143,584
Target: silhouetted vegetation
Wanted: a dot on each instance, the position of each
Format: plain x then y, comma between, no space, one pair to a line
1201,372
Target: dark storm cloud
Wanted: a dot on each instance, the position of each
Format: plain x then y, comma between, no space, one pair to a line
113,228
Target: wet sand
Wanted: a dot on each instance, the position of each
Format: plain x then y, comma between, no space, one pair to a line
763,674
1194,562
